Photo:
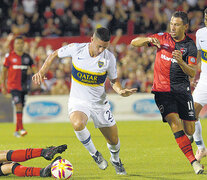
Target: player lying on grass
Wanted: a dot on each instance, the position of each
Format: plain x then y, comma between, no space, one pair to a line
9,159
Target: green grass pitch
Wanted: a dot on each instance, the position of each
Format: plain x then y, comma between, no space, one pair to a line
148,150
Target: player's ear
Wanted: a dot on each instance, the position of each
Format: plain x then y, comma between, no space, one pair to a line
91,39
186,27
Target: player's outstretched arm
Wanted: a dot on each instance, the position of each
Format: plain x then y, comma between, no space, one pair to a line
116,85
144,41
3,79
39,76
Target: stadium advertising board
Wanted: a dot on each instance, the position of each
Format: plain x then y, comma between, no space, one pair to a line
54,108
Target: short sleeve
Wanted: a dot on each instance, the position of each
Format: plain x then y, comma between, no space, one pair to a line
66,51
112,71
158,36
197,41
6,60
192,56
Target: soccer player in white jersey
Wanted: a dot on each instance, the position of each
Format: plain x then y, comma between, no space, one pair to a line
91,64
200,92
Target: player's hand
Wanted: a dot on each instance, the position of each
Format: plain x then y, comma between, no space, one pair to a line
127,92
178,56
155,41
38,78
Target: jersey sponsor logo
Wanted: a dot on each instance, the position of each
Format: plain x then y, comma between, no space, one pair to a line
100,64
88,78
204,55
168,58
22,67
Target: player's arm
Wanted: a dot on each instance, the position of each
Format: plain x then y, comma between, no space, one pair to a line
144,41
4,77
38,77
116,85
189,69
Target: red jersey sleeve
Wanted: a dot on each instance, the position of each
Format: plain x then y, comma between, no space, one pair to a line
158,36
6,61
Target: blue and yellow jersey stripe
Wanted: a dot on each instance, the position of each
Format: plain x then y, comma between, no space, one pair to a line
88,78
204,55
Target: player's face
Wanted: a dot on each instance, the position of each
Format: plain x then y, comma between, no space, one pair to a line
98,46
177,28
205,19
19,45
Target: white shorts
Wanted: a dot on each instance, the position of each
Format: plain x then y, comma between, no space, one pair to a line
100,114
200,93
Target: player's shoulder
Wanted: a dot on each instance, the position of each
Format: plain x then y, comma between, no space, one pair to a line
108,54
201,31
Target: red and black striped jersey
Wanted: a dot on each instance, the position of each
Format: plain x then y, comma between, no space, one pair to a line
168,75
17,71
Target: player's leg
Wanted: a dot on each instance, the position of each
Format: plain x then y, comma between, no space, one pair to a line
26,154
113,143
79,120
200,100
17,100
22,171
169,109
202,151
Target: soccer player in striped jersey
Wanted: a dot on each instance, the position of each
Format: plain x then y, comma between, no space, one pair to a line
200,92
92,63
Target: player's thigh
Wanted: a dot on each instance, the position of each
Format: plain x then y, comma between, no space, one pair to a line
110,134
16,96
79,114
198,107
166,104
185,106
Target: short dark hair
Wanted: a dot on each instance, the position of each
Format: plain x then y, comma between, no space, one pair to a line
205,11
103,34
181,15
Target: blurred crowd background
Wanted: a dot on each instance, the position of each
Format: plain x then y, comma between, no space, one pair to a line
57,18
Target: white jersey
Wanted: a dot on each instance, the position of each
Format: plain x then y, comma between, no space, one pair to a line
89,73
201,43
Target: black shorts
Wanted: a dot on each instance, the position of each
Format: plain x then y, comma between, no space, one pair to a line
182,104
18,97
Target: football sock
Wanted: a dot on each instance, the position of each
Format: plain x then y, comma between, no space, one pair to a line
22,171
84,136
198,135
23,154
19,124
185,145
114,151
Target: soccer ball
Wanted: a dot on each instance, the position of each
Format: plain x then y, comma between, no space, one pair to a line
62,169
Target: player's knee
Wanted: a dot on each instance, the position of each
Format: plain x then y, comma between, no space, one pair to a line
78,125
113,140
190,130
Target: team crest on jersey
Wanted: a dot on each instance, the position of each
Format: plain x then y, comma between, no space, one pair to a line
100,64
183,50
14,60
